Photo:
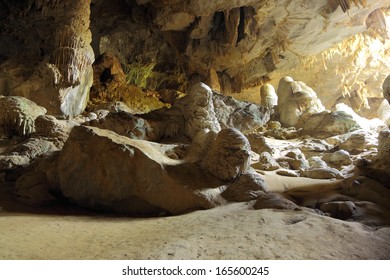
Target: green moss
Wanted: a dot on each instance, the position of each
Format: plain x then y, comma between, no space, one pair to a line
144,76
138,74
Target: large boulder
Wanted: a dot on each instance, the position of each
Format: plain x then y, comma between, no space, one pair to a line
245,116
327,124
102,170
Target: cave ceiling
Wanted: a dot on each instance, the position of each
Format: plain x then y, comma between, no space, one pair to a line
233,46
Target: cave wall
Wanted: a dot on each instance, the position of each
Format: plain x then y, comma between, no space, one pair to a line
234,46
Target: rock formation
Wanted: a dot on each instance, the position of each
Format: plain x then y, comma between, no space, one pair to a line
228,156
198,111
386,88
296,100
94,179
168,120
268,97
17,116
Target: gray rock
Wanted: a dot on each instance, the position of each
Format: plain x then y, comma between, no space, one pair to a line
244,116
317,162
322,173
355,143
287,172
338,158
198,110
327,124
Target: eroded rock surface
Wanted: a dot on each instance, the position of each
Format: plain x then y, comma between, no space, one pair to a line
113,173
17,116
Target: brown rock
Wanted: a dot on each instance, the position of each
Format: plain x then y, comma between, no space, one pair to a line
275,201
110,173
229,155
248,186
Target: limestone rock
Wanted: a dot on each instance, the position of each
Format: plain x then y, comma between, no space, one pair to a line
17,115
317,162
383,112
283,133
33,189
127,125
274,125
356,143
200,146
244,116
296,99
22,153
57,131
379,167
384,147
288,173
315,147
107,68
343,210
266,162
198,110
246,187
386,88
93,179
258,143
268,97
322,173
326,124
338,158
275,201
39,185
296,160
229,155
367,189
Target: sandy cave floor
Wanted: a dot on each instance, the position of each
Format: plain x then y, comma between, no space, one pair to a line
233,231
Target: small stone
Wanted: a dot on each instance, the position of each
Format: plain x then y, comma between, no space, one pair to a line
287,172
274,125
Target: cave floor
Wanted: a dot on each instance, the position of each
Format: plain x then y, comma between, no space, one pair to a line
233,231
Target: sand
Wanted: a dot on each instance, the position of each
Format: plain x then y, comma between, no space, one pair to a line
233,231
